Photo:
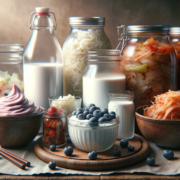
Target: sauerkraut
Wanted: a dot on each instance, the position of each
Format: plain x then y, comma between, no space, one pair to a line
7,81
75,56
150,69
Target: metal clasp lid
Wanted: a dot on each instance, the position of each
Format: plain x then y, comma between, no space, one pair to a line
123,38
32,17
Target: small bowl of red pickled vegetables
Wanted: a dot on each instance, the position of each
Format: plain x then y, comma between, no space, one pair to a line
160,122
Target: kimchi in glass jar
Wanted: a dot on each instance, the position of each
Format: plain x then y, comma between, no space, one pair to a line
149,61
174,35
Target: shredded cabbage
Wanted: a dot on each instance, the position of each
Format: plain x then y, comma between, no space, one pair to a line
75,56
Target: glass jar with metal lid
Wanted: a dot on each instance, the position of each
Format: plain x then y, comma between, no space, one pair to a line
149,61
174,35
102,75
11,67
86,34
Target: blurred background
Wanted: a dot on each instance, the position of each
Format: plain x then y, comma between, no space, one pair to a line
14,15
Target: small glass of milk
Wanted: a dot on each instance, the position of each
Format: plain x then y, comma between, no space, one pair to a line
122,103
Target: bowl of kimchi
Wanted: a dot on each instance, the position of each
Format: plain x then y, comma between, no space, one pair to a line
160,122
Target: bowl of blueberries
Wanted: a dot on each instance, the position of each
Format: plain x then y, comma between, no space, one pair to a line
93,129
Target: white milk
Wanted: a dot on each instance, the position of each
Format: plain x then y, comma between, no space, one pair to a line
42,80
125,110
95,90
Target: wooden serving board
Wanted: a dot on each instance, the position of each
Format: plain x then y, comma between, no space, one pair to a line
105,160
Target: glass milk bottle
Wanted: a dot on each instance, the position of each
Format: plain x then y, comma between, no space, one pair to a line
43,63
122,103
102,75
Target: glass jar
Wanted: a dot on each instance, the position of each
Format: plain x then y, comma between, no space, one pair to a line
86,34
149,61
54,129
174,35
122,103
102,75
43,63
11,67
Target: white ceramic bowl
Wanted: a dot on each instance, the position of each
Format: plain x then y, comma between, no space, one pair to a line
93,138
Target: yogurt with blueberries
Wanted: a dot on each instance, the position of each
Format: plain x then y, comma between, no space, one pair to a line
93,129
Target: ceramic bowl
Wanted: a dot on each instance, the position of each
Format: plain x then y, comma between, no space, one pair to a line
19,131
164,133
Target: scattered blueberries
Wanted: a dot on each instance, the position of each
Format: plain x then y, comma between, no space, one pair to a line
81,117
116,152
97,114
168,154
52,147
6,94
69,140
90,105
73,113
112,112
89,116
123,143
106,115
130,148
92,155
85,113
77,113
150,161
52,165
104,111
68,151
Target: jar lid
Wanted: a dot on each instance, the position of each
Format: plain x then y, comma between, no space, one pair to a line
131,29
11,48
95,20
72,120
174,30
104,54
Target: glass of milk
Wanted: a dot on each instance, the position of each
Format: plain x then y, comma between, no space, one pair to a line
122,103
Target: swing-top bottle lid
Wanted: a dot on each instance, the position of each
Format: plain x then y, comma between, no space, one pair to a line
42,9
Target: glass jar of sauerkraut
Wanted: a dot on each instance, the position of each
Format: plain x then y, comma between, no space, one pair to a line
149,61
174,35
11,67
86,34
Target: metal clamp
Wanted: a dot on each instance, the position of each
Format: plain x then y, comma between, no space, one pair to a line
32,17
123,38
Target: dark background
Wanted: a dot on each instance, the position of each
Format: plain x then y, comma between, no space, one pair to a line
14,15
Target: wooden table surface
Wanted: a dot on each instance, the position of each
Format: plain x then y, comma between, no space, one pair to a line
83,177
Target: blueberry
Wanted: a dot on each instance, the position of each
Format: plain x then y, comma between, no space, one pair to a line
116,152
52,147
104,111
92,109
102,119
123,143
93,121
98,108
86,109
112,112
52,165
106,115
130,148
81,117
85,113
90,105
150,161
69,140
168,154
89,116
80,109
97,114
73,113
112,116
6,94
92,155
77,113
68,151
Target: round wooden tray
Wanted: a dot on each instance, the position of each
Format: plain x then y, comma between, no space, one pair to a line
105,161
